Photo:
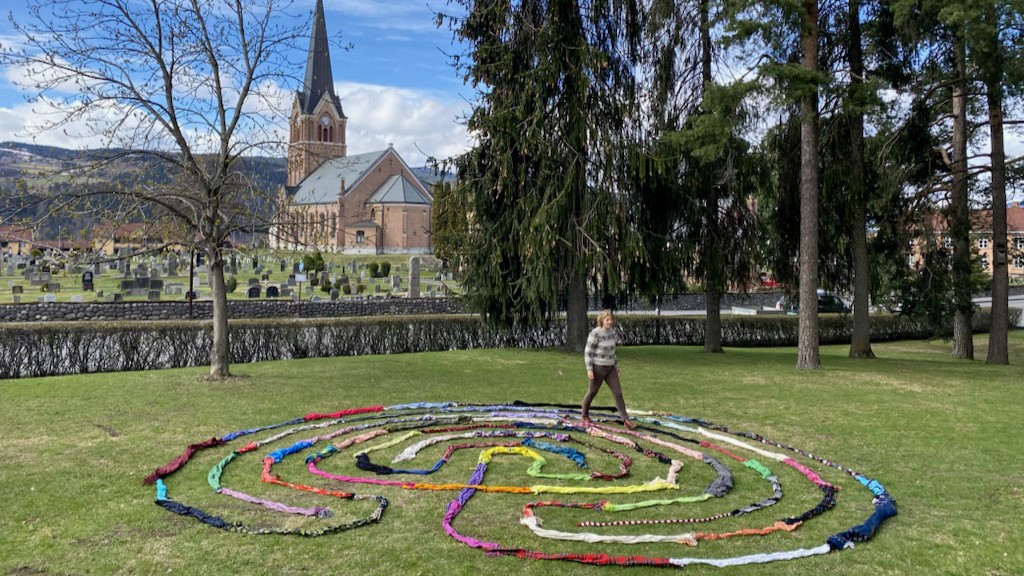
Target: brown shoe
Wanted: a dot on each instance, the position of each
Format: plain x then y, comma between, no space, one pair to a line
629,424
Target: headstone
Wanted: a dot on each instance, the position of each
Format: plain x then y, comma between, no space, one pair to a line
99,294
255,262
265,277
257,270
142,282
35,280
334,294
17,289
296,268
96,269
154,274
284,265
153,295
291,279
77,299
396,282
127,285
286,292
234,261
16,299
414,277
344,279
53,287
254,281
309,290
11,269
254,291
49,298
117,297
156,284
172,266
273,292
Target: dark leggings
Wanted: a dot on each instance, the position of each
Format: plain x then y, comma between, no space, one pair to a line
610,375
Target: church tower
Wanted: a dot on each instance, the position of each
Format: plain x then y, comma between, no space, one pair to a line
317,122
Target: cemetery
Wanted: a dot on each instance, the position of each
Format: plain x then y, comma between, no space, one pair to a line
26,279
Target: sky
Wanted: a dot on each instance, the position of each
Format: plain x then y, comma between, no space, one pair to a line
396,83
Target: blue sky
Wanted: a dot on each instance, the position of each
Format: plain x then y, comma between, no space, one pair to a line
396,83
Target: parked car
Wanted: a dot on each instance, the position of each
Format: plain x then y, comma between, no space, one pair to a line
828,303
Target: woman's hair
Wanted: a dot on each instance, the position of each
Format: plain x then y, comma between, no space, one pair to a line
604,314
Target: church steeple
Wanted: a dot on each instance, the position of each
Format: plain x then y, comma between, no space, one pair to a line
318,123
319,79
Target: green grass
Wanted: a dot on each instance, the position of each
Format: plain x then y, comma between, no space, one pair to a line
944,436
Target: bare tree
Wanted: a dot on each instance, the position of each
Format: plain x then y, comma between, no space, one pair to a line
186,88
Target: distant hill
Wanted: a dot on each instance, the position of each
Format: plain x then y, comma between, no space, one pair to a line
47,170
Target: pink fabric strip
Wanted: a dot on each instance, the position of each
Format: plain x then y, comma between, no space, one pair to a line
811,475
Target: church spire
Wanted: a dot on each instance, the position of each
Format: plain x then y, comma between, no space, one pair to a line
319,80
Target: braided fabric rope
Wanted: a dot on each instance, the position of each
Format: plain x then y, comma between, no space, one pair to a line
536,434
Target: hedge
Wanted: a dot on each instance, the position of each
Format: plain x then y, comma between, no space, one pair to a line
48,349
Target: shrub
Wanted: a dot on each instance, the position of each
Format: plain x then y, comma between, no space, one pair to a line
346,289
231,284
326,286
360,288
385,269
374,269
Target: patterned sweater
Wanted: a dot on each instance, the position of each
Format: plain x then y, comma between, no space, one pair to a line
600,349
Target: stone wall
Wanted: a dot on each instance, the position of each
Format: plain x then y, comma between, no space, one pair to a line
56,311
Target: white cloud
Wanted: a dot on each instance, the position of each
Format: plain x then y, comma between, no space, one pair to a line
417,123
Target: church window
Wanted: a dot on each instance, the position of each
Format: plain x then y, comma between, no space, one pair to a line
360,237
373,214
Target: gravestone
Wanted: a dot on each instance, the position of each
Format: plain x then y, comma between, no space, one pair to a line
255,262
291,279
11,270
16,299
309,290
127,285
153,295
286,292
377,289
154,274
295,268
273,292
142,282
17,289
396,282
46,277
87,282
96,269
117,297
156,284
257,270
254,291
172,266
99,294
284,265
344,280
234,262
266,276
77,299
49,299
35,279
334,294
254,281
414,277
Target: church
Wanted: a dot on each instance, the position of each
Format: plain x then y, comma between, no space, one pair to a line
370,203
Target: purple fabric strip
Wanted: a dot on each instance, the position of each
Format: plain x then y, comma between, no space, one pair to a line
314,511
455,506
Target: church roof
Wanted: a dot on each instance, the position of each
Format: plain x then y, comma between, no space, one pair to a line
319,81
398,190
324,184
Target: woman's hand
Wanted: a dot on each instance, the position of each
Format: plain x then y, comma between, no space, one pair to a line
590,375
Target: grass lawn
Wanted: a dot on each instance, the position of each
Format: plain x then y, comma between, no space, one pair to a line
943,436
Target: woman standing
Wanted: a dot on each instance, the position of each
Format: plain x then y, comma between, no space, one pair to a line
602,366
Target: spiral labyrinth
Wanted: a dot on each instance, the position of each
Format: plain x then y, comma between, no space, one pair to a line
592,480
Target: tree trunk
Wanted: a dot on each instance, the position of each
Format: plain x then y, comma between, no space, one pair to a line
576,325
959,215
808,347
711,250
860,343
219,358
998,352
